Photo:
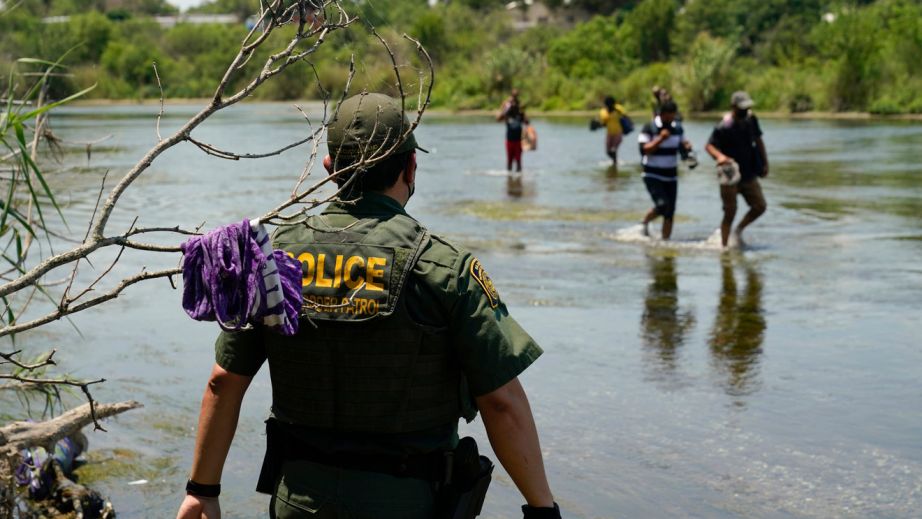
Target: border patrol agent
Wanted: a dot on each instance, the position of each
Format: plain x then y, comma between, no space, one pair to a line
401,335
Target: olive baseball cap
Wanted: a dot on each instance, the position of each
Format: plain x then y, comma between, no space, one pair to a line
741,100
367,123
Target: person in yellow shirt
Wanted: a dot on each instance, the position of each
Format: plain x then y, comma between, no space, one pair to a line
610,117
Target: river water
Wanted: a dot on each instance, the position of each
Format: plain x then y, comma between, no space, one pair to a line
782,380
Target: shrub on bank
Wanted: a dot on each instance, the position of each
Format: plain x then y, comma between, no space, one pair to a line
788,89
635,89
706,77
792,55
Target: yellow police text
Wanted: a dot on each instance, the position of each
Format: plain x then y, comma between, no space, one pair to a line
351,272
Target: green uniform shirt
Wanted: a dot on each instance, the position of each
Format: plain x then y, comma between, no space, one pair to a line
447,288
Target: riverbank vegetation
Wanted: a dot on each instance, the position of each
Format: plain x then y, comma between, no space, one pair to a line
791,55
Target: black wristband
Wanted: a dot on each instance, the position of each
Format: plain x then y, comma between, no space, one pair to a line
200,490
531,512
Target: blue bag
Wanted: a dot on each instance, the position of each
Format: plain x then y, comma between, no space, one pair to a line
627,125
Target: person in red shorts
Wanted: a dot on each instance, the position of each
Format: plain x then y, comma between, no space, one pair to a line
513,114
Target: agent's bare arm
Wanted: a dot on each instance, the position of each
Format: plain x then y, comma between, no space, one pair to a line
216,427
514,437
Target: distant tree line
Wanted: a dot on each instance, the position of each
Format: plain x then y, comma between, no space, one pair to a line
792,55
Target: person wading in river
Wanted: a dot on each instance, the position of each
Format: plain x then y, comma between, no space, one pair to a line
660,142
513,114
738,137
660,97
402,334
610,117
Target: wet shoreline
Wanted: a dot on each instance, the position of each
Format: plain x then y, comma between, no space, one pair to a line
447,111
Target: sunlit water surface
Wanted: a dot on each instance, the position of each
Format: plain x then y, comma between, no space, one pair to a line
780,381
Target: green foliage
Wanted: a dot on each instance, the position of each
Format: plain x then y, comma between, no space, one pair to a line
25,188
786,42
705,77
719,18
198,56
903,19
793,89
537,40
899,85
505,66
132,66
899,98
635,92
792,55
385,12
76,7
481,4
852,45
598,48
594,6
429,28
242,8
747,22
652,23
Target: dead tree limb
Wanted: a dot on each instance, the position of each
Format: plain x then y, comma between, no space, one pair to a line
23,435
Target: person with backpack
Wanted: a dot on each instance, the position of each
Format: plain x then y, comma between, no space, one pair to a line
617,124
736,142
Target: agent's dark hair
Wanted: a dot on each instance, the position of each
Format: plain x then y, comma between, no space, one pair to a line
669,106
380,176
609,102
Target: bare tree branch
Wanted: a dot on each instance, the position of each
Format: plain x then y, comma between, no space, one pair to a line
10,358
215,152
23,435
160,113
67,309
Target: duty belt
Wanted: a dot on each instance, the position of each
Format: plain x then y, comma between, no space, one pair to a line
281,446
429,467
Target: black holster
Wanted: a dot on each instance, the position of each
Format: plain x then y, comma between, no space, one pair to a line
468,476
273,459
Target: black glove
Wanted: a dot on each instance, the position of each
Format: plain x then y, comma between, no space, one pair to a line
531,512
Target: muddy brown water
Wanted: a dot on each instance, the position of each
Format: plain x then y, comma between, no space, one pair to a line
782,380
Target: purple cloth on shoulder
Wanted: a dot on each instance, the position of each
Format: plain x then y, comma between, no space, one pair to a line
231,275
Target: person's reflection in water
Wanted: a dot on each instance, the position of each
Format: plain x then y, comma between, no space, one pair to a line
521,185
664,328
611,177
514,185
739,328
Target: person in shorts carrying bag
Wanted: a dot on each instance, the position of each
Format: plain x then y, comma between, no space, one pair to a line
737,141
617,124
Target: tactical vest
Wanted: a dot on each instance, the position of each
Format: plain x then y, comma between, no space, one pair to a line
360,363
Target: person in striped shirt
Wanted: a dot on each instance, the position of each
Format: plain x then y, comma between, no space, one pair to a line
660,143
